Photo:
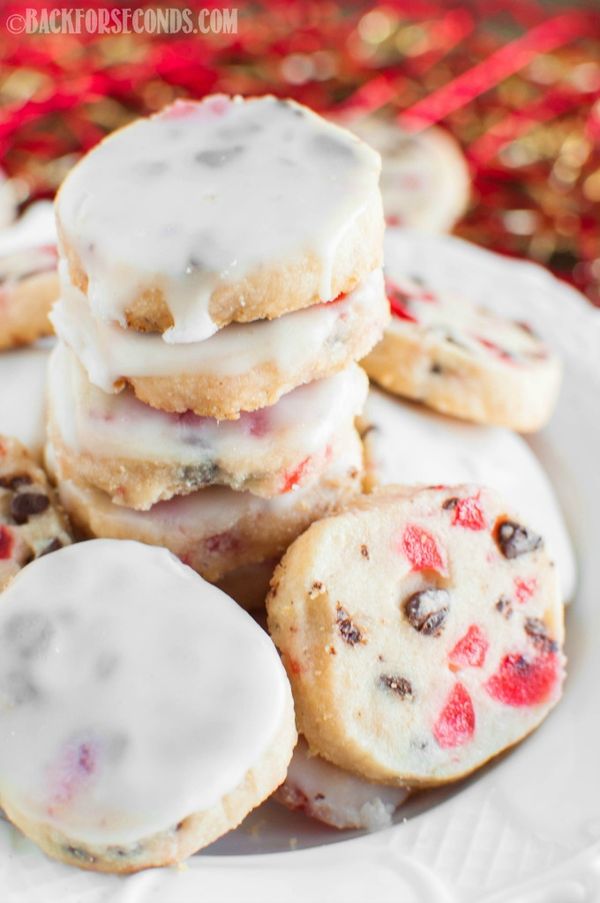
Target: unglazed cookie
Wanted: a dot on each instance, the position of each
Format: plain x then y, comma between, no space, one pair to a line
425,180
218,211
421,630
28,277
407,443
143,713
217,530
242,368
464,360
31,523
337,797
140,455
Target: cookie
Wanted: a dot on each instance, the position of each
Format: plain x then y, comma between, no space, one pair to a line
242,368
165,719
409,444
464,360
31,522
421,630
217,530
219,211
22,399
28,277
140,455
425,180
337,797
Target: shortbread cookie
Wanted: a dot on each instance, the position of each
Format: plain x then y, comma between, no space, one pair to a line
241,368
337,797
28,277
408,443
425,180
140,455
217,530
22,398
463,360
421,630
31,522
143,713
219,211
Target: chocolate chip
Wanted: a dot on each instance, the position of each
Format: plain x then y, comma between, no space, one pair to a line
436,369
26,504
319,796
398,685
80,854
427,610
196,476
53,546
348,631
514,540
20,479
504,607
218,157
316,589
364,551
29,632
537,631
450,504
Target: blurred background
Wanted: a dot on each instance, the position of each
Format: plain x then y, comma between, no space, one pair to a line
515,82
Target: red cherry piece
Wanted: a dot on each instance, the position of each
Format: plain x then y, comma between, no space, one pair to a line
470,651
293,476
501,353
398,299
422,550
468,514
6,542
524,589
456,723
257,422
522,681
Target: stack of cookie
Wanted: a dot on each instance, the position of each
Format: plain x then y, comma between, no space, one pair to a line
220,275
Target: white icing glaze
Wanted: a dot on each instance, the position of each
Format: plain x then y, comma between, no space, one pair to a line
22,397
300,424
203,193
424,177
109,352
411,444
473,329
337,797
145,693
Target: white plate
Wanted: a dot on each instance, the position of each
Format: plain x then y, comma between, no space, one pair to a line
524,830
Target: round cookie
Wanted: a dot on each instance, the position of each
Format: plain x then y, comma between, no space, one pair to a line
219,211
140,455
163,721
336,797
28,277
217,530
408,444
31,522
241,368
425,180
463,360
421,630
22,399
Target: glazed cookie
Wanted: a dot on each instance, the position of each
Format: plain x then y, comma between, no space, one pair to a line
28,277
31,523
421,630
463,360
425,180
408,443
241,368
217,530
163,721
155,232
140,455
337,797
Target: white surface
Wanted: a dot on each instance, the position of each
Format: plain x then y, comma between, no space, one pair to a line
526,830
